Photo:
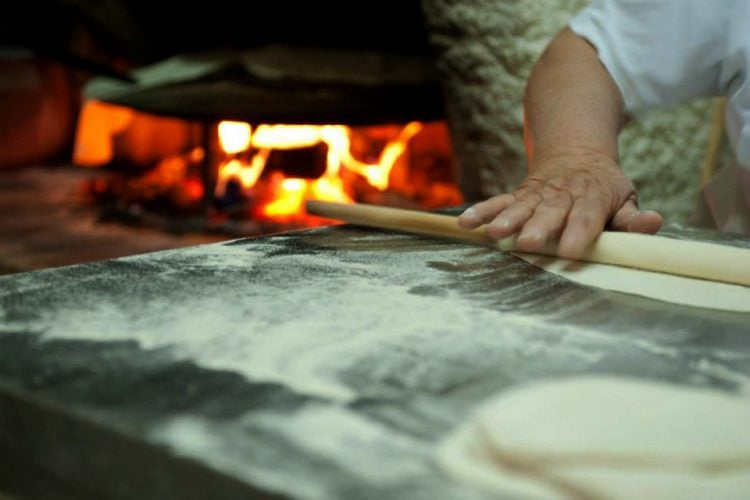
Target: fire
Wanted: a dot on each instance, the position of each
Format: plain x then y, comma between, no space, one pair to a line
234,136
264,170
291,193
290,196
377,174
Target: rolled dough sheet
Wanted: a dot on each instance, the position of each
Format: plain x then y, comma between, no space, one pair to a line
605,438
661,286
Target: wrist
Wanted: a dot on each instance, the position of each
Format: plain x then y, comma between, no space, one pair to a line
572,154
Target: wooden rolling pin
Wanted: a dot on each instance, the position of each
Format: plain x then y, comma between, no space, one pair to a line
693,259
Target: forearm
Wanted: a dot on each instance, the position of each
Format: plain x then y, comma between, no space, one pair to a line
572,104
575,188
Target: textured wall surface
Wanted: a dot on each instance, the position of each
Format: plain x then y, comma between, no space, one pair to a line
486,49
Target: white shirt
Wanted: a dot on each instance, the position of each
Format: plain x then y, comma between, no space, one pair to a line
665,52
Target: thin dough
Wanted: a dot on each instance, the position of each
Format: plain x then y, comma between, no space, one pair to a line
605,438
661,286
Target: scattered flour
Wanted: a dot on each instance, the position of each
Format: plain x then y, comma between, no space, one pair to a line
318,327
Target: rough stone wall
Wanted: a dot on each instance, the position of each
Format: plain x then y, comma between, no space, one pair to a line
485,51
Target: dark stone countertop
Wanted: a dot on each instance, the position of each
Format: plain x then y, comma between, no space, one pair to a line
325,363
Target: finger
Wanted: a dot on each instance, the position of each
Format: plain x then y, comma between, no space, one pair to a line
547,222
484,211
512,218
648,222
585,223
630,218
545,225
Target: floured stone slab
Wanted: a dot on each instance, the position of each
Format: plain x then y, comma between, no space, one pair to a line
326,363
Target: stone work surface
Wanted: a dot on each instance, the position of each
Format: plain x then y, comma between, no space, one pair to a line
320,364
486,50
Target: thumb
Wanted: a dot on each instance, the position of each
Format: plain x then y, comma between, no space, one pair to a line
629,218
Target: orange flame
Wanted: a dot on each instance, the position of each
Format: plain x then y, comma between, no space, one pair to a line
367,154
290,193
97,123
377,173
234,136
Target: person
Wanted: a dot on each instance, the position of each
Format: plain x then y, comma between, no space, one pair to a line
618,59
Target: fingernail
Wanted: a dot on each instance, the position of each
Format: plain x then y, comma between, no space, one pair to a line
469,213
502,223
530,234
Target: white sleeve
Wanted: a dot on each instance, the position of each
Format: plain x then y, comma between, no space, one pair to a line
659,52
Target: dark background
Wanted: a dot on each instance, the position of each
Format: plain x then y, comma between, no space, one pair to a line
127,34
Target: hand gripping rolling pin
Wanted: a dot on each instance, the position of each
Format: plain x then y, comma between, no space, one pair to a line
693,259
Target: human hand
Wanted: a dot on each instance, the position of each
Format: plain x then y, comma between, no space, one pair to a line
570,197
